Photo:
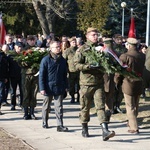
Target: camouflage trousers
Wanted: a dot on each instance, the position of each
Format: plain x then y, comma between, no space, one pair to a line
30,89
88,94
73,83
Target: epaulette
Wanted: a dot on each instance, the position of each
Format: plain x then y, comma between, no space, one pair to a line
86,49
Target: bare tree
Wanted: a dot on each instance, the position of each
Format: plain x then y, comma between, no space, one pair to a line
47,10
41,17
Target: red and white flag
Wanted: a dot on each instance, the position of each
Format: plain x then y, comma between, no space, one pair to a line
2,31
132,31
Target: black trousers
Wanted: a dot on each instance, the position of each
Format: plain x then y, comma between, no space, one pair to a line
14,82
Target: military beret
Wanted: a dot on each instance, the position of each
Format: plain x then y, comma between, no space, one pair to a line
132,41
107,40
91,29
72,39
30,37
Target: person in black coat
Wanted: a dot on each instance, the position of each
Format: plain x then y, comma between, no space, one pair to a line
53,84
15,76
3,76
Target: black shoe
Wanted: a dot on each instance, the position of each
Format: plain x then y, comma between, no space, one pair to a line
72,99
62,129
45,125
119,110
29,117
115,111
13,108
5,104
33,117
26,117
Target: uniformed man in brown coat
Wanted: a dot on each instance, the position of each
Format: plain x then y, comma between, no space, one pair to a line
91,86
132,87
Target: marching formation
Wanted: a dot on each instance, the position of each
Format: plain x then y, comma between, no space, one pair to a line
99,71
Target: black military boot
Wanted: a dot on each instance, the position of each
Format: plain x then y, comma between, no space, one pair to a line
26,117
106,133
85,130
32,116
78,97
72,99
108,115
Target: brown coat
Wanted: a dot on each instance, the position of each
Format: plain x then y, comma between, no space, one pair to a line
109,85
134,60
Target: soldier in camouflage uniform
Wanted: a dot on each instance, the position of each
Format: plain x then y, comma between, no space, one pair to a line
73,74
30,89
118,95
30,84
91,86
109,85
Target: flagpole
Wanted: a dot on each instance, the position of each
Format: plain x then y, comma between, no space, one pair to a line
131,12
123,5
148,24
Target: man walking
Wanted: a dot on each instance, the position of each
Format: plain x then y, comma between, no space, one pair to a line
132,88
91,86
53,83
73,74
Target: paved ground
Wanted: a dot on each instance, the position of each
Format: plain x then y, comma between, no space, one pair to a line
31,131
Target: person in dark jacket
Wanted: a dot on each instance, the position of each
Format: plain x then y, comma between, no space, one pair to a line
53,84
31,42
15,75
3,76
9,41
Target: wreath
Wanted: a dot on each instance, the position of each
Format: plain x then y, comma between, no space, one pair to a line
108,64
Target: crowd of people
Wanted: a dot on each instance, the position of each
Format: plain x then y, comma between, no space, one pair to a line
67,68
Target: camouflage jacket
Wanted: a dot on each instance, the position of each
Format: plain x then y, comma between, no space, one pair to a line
88,75
119,49
69,54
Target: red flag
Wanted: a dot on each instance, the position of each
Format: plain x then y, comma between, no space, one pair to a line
2,31
132,31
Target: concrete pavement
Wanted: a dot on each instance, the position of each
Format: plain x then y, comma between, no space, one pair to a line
31,131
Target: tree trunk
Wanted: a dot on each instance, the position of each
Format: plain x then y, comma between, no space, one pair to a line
41,17
50,15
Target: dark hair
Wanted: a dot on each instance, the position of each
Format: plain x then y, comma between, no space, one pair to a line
30,37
